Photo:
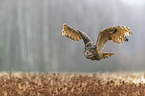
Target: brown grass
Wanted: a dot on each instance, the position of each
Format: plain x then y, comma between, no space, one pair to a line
74,84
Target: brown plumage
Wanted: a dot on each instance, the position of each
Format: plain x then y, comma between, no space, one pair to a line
94,51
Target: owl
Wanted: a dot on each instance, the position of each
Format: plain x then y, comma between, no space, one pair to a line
95,51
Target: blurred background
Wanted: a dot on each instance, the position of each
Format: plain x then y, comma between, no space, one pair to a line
31,40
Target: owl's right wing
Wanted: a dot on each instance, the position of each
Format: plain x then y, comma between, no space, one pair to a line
76,35
117,34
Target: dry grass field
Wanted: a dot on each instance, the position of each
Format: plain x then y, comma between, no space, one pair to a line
72,84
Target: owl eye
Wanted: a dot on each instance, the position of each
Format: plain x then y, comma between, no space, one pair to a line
87,53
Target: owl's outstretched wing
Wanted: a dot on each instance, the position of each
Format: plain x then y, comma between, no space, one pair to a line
117,34
76,35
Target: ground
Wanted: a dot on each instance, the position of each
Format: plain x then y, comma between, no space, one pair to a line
72,84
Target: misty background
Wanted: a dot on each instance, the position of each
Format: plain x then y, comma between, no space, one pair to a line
31,40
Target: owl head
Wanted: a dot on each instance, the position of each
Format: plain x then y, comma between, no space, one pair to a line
90,53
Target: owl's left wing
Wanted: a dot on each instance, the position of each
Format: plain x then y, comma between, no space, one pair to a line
117,34
76,35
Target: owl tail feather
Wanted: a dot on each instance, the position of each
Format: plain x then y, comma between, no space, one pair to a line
107,55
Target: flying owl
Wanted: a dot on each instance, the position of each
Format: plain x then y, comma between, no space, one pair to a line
95,51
